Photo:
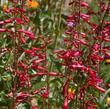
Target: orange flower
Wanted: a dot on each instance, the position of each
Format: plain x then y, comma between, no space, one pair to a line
32,4
107,61
5,8
108,100
71,93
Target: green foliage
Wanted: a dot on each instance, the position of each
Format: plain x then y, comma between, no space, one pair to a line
48,23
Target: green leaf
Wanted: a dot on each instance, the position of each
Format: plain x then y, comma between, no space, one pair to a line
57,64
104,96
38,85
95,19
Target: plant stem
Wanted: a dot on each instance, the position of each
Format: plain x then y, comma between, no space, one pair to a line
58,33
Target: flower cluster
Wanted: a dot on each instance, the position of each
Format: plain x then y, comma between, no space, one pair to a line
40,70
85,50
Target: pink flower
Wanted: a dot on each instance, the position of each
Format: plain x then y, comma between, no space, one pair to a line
99,88
2,30
85,17
76,65
36,67
37,61
22,96
82,41
83,35
19,21
96,57
22,78
65,87
65,105
84,4
30,52
9,20
45,94
96,47
22,39
28,33
1,22
23,65
69,54
35,49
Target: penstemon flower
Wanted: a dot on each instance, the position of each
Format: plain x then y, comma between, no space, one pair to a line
51,60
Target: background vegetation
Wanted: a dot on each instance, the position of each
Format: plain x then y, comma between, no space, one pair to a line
54,54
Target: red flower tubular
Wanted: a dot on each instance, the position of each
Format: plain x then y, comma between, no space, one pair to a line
28,33
45,94
65,105
84,4
65,87
22,96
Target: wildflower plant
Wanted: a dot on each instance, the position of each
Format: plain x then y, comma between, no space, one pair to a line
50,60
